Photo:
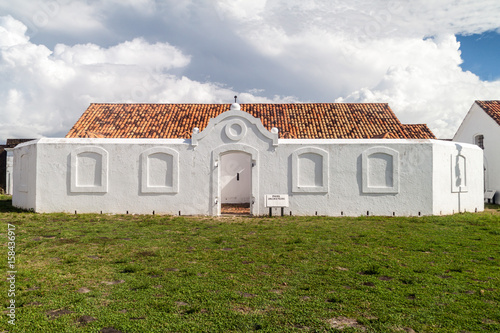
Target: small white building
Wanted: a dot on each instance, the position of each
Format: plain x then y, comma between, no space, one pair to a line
481,127
235,159
8,167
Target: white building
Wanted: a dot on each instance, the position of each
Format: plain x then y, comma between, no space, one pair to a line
8,167
235,159
481,126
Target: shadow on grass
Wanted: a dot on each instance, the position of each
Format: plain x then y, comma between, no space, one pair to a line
6,205
493,207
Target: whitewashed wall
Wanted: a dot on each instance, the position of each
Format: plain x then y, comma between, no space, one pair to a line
25,174
477,122
323,177
9,176
457,178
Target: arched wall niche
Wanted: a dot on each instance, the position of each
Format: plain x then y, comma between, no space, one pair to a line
310,170
380,170
160,170
89,170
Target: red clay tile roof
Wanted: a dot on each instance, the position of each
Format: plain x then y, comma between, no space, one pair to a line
419,130
300,121
492,108
90,134
385,136
11,143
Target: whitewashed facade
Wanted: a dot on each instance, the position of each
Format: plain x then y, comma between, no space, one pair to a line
481,129
9,175
235,159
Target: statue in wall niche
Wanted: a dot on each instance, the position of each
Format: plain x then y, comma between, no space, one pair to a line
459,168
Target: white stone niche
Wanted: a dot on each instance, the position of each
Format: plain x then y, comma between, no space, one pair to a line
458,173
310,170
89,170
380,170
160,170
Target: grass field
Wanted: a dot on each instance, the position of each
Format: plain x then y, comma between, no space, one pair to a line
124,273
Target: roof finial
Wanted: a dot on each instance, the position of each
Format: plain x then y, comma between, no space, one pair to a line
235,106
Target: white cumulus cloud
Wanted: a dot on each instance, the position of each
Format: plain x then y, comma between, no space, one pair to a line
47,90
401,52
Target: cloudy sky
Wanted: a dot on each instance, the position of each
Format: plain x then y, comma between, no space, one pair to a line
58,56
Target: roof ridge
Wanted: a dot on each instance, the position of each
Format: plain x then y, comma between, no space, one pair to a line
299,120
492,109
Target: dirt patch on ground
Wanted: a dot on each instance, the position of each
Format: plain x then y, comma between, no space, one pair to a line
493,209
84,290
343,322
405,329
113,282
84,320
385,278
52,314
146,254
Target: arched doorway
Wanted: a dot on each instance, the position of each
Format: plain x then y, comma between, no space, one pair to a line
235,181
235,176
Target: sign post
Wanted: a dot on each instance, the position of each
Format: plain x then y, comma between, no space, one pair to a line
276,200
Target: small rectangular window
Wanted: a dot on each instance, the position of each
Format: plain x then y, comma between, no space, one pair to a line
479,140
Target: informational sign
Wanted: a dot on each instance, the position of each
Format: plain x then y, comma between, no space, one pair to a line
489,194
276,200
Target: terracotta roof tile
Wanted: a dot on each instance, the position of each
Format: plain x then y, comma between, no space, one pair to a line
89,134
300,121
11,143
418,131
492,108
384,136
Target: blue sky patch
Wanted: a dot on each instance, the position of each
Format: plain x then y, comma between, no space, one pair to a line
481,54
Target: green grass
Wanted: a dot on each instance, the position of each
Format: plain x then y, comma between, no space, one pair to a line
289,274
